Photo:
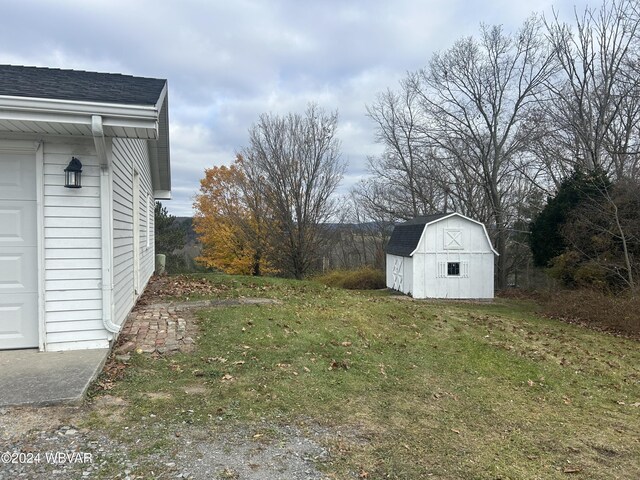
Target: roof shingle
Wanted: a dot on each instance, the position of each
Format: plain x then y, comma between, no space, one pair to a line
405,236
53,83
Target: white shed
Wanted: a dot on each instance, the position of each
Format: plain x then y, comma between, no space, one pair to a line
446,255
74,260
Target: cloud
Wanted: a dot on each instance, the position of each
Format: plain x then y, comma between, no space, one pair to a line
228,62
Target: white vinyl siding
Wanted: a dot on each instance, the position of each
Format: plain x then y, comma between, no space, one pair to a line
129,155
72,277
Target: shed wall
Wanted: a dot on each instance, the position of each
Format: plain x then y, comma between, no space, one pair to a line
454,239
400,268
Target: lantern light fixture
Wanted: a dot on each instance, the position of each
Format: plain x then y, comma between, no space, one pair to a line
73,174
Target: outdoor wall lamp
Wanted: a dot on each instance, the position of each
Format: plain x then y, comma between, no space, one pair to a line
73,174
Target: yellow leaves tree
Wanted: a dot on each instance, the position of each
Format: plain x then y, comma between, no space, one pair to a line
231,222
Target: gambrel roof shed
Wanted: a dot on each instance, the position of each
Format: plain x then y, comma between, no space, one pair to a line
73,261
445,255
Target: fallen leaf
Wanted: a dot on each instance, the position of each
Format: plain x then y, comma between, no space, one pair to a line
530,382
346,344
636,404
216,359
455,431
227,378
306,369
572,470
240,362
336,365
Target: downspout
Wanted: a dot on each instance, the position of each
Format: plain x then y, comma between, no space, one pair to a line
106,224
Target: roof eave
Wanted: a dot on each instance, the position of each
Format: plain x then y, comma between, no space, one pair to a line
114,115
148,122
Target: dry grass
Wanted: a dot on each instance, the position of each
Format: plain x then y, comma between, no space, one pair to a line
593,309
360,279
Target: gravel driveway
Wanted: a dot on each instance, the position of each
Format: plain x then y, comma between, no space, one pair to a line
49,442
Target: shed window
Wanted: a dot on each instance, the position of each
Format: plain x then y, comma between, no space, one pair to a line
453,269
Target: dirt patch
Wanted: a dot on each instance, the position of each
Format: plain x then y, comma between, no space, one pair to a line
157,396
196,390
16,422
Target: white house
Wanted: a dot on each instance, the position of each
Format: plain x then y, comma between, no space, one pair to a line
74,260
445,255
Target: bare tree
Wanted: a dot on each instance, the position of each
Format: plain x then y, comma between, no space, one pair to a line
405,162
478,96
594,107
294,160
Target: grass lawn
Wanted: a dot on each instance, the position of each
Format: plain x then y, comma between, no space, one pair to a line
405,389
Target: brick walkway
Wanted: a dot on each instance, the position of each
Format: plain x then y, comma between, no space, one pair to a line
158,328
170,327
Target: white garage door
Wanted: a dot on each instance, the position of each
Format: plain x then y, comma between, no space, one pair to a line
18,254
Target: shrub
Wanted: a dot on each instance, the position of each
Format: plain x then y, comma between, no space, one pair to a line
365,278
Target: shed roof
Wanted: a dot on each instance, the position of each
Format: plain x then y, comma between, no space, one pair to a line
55,83
405,236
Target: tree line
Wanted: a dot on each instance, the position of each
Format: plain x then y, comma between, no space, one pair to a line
495,127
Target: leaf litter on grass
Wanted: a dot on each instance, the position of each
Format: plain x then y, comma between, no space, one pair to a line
452,390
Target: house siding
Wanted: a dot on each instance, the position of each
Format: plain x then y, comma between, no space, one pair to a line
72,241
128,156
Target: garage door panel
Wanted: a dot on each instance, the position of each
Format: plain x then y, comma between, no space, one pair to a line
17,175
17,223
16,269
18,251
16,317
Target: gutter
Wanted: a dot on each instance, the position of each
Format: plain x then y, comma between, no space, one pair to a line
106,224
28,109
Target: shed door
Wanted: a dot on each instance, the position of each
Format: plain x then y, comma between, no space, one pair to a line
18,253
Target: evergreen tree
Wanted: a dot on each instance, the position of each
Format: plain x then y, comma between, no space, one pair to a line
169,236
546,239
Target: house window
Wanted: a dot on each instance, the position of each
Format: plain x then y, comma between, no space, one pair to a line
453,269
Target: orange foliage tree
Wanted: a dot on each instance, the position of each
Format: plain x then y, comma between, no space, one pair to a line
231,222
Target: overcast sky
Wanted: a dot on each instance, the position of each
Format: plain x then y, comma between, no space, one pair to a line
229,61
